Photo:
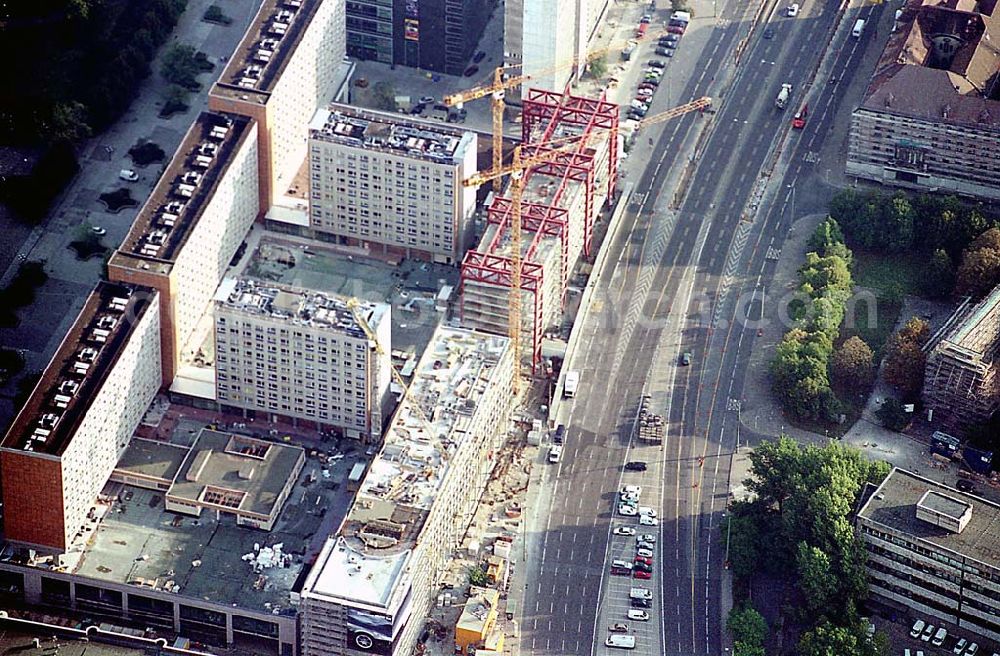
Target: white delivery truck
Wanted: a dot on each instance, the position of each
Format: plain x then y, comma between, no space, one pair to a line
640,593
782,100
859,27
620,641
572,382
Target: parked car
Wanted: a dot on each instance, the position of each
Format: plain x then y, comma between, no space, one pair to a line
98,230
635,465
656,63
939,637
648,546
960,645
643,567
627,510
624,530
640,574
686,359
470,71
128,175
928,632
644,553
648,560
676,29
918,628
641,603
972,650
646,520
663,52
964,485
646,18
478,57
647,537
793,10
636,614
618,627
769,33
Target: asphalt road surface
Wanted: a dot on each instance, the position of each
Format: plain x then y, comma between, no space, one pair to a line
677,282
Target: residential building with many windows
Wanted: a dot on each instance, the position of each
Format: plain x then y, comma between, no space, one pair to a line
302,356
290,62
391,183
65,442
191,226
372,585
933,550
930,118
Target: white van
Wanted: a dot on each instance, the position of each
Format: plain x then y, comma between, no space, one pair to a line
620,641
681,17
128,174
859,27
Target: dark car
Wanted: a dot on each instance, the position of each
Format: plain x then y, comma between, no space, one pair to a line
559,435
670,44
416,109
646,18
769,33
641,603
478,57
470,71
663,52
656,63
635,465
642,567
965,486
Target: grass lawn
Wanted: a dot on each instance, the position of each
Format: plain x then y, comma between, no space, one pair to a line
890,278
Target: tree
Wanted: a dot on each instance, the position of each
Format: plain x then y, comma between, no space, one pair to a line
598,66
384,96
852,366
914,330
904,367
829,640
181,66
816,577
747,626
892,415
477,577
895,225
940,277
775,465
979,271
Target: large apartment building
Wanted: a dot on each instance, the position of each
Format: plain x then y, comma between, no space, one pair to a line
932,550
66,441
387,182
552,58
303,356
930,118
434,35
289,63
191,226
372,584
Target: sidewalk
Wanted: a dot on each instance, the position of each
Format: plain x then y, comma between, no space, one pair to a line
44,324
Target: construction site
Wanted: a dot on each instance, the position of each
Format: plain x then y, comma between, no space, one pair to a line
575,141
960,381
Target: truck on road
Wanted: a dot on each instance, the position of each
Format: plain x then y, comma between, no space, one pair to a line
782,100
572,382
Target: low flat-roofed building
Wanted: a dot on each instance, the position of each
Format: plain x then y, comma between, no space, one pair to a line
371,586
934,550
236,474
284,351
65,442
478,619
151,464
391,182
191,226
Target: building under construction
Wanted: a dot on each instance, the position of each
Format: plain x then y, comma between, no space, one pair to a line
960,385
561,200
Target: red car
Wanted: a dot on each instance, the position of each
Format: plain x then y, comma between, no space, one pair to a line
799,120
639,574
644,559
676,29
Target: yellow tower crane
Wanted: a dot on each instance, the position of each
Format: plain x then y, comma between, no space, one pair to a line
497,90
517,169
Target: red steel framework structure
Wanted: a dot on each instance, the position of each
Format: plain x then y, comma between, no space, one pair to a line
547,110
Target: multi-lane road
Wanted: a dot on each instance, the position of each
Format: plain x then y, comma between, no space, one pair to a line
675,282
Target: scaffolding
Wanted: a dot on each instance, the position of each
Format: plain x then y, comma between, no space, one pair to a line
559,208
960,382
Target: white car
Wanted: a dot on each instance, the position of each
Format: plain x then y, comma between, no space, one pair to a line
646,510
98,230
627,510
632,489
637,614
628,496
624,530
646,520
647,537
128,174
960,645
918,628
644,553
972,650
793,10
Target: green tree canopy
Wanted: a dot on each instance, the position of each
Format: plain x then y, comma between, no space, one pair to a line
852,366
746,625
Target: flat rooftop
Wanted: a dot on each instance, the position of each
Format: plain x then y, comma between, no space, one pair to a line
267,46
152,460
894,505
404,478
76,372
235,472
395,133
177,201
298,306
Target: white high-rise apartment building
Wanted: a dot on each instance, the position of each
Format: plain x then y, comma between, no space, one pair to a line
385,181
302,355
552,58
68,437
371,587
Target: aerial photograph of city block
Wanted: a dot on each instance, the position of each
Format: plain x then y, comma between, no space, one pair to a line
500,327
